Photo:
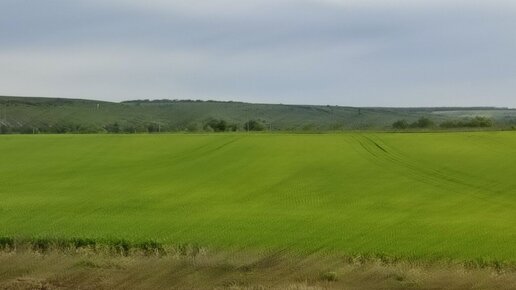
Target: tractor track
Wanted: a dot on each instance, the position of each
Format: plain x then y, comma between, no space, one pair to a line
382,155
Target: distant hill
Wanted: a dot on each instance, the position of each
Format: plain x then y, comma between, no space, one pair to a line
54,115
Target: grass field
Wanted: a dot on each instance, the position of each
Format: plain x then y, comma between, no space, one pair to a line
415,196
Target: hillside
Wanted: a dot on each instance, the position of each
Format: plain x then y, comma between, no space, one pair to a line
52,115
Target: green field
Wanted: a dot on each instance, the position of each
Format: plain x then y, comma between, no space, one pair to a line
414,195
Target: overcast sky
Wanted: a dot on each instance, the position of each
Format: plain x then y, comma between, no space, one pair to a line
339,52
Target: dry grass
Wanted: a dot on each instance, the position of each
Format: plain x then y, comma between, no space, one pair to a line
87,269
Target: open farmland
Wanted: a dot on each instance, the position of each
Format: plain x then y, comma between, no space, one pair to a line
423,196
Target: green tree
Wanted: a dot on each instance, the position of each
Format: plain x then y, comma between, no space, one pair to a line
253,125
112,128
216,125
400,124
422,122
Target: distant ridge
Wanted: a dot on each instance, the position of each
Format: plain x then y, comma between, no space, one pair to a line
62,115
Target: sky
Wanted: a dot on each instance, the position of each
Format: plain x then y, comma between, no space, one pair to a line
338,52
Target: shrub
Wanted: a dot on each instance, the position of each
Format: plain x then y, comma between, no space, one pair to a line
480,122
400,124
112,128
193,127
152,127
329,276
422,122
477,122
253,125
6,243
216,125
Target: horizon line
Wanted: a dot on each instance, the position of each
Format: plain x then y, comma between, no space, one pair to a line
157,100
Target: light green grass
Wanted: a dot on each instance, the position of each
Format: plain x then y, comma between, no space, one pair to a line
427,195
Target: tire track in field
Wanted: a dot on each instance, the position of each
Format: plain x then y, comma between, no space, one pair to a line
203,150
402,161
383,155
212,150
442,174
431,175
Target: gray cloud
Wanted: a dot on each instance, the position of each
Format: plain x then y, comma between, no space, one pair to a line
363,53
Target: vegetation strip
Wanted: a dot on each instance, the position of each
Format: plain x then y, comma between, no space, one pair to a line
57,116
152,248
83,264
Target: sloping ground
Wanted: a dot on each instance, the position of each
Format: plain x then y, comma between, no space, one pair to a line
63,115
415,196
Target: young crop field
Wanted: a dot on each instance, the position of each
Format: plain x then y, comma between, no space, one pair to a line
428,196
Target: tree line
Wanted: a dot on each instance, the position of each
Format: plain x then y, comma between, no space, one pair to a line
62,127
426,123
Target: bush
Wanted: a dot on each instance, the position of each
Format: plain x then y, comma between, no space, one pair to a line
422,122
215,125
232,127
329,276
112,128
400,124
477,122
193,127
6,243
253,125
480,122
152,127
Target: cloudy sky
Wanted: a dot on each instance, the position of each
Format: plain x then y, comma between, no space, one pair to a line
339,52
